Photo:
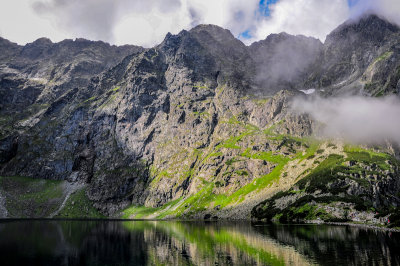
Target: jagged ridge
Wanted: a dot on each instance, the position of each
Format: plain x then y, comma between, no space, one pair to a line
194,127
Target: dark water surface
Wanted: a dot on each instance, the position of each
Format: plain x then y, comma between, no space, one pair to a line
89,242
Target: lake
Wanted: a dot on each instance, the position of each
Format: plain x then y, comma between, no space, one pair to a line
99,242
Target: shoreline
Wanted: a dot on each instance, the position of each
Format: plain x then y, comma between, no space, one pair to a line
367,226
361,225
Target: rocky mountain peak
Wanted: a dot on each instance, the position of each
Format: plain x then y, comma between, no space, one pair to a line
368,28
212,36
291,43
8,49
184,122
41,42
37,48
4,42
360,56
210,53
217,33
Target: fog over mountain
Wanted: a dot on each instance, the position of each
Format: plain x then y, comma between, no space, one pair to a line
355,118
388,9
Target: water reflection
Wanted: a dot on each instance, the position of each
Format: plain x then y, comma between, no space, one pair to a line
46,242
334,245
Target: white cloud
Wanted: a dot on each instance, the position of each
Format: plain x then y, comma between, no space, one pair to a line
236,15
147,22
20,24
150,27
144,22
315,18
356,119
390,9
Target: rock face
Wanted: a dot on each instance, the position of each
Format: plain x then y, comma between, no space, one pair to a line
359,57
283,60
40,72
198,126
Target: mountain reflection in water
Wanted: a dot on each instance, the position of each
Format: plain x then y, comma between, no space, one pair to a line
94,242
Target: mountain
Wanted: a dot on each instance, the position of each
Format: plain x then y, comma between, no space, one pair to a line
283,60
42,71
199,126
359,57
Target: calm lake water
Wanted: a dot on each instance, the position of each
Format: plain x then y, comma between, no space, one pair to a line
88,242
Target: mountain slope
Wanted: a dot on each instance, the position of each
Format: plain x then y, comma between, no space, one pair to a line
359,57
198,126
40,72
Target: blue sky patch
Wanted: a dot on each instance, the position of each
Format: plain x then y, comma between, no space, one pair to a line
265,11
263,7
245,35
352,2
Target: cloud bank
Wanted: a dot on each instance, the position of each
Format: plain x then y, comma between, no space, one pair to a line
356,119
316,18
389,9
144,22
147,22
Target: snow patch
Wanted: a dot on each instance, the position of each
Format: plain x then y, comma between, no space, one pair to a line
309,91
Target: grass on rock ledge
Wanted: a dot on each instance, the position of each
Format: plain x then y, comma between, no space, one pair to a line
321,173
79,206
30,197
205,199
27,197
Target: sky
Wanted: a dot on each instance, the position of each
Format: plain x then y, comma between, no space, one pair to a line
146,22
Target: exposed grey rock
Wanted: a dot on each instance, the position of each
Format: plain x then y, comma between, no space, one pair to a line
359,56
135,124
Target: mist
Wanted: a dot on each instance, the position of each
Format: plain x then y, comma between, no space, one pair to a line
97,19
141,22
356,119
282,59
388,9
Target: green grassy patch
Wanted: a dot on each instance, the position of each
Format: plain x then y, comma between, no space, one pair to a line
202,114
370,157
29,197
261,102
265,156
325,172
231,161
79,206
90,99
115,89
137,212
384,56
327,178
206,199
